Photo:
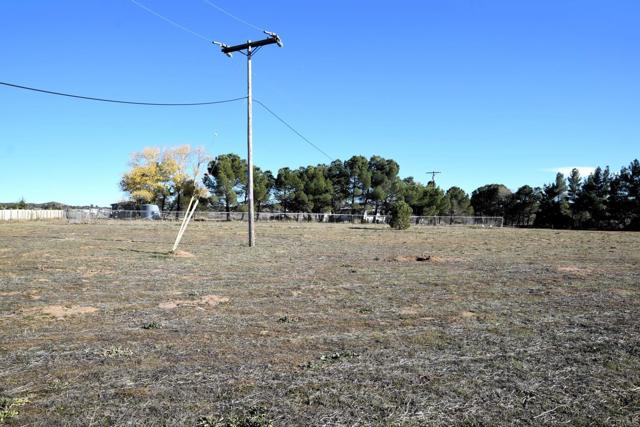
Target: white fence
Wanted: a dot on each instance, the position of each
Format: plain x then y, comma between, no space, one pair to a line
30,214
88,215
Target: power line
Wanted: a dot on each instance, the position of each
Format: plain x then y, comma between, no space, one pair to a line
119,101
294,130
231,15
170,21
169,104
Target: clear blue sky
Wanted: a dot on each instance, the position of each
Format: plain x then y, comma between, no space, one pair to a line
485,91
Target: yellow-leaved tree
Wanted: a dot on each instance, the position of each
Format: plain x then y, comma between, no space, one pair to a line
158,175
188,163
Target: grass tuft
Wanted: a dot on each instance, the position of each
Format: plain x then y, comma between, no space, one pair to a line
9,407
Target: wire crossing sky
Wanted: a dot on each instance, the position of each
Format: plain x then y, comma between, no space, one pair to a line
120,101
484,91
294,130
232,16
167,104
170,21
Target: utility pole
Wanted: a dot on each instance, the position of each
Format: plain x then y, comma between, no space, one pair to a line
433,176
249,49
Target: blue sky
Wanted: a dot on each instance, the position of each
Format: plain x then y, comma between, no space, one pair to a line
485,91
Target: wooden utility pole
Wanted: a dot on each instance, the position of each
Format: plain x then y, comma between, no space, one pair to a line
252,230
433,176
248,49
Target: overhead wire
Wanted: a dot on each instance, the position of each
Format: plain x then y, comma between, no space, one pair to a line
177,104
231,15
305,139
170,21
169,104
120,101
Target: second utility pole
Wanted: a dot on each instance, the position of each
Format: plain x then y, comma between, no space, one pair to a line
251,48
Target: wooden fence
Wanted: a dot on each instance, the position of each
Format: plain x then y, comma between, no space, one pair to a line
30,214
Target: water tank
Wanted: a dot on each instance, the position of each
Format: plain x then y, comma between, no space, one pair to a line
150,212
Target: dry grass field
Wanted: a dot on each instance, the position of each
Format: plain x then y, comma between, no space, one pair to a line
320,325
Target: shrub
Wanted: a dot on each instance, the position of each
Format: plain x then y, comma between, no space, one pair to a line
9,407
400,216
254,417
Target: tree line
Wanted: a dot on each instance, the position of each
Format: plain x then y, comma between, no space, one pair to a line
372,186
602,200
354,186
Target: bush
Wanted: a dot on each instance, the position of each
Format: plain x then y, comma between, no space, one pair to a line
254,417
9,407
400,216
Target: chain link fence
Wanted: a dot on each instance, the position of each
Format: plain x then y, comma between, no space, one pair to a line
91,215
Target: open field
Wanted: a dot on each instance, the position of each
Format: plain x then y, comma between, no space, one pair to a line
320,324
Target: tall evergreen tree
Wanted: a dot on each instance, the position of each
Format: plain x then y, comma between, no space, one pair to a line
411,191
433,201
395,193
593,198
359,181
317,188
491,200
289,191
560,188
573,191
338,174
523,206
383,174
630,177
554,210
459,202
624,202
263,184
225,179
574,182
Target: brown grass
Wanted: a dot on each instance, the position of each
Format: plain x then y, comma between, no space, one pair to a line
320,324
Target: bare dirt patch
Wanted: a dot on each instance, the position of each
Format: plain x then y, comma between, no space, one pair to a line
182,254
207,300
411,258
90,273
574,270
446,260
624,292
409,311
8,294
29,294
59,311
